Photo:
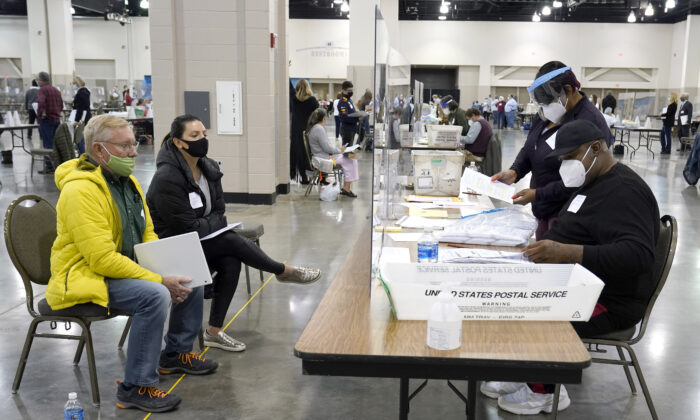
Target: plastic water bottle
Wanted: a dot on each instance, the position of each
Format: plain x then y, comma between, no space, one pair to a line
445,323
73,410
473,166
427,247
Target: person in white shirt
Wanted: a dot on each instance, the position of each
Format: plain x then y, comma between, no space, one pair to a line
511,109
336,116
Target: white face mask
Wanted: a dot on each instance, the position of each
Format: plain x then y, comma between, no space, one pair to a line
555,111
573,173
470,122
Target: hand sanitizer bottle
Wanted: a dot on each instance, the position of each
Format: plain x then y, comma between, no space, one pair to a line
445,323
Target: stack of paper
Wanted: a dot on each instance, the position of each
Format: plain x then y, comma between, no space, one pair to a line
483,185
481,256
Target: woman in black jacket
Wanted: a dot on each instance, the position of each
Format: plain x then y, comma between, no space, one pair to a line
303,104
185,195
81,104
669,118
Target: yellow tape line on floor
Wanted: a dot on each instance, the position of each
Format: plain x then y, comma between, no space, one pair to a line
223,329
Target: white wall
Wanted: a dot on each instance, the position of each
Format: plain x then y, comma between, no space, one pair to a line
15,41
319,49
92,39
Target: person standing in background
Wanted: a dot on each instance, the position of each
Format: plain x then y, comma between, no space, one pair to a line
511,108
684,116
303,104
31,97
669,117
49,114
594,101
364,104
609,102
499,116
348,124
81,104
487,108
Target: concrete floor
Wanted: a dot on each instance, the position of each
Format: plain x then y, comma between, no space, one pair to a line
266,382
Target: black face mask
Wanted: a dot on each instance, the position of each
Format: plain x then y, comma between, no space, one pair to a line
197,148
349,94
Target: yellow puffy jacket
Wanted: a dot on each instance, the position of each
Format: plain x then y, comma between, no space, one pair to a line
89,239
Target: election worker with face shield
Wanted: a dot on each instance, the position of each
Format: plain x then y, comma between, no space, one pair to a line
556,93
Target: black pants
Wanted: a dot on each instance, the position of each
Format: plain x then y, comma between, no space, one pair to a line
32,120
347,133
224,254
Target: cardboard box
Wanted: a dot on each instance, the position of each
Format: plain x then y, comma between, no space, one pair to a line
444,135
437,172
518,292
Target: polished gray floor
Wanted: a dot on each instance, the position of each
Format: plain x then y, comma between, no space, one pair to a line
266,381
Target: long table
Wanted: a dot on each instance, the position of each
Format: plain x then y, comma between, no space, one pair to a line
14,129
353,334
644,134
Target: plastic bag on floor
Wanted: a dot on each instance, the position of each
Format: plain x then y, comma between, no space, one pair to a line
330,192
503,227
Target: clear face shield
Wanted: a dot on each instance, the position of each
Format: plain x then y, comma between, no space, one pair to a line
550,103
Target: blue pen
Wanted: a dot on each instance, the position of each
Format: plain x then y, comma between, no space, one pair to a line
483,212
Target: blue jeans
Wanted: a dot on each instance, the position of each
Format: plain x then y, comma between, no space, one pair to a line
665,139
47,129
510,118
337,126
148,302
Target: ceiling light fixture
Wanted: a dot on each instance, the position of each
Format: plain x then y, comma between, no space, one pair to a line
670,4
649,11
557,4
536,17
546,11
345,7
144,4
443,9
442,17
632,17
337,1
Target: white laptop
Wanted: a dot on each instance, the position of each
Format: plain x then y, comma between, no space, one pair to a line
180,255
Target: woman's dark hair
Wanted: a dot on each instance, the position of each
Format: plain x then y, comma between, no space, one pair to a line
557,83
471,112
177,128
452,105
316,117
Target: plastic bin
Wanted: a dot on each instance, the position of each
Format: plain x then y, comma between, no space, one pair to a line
437,172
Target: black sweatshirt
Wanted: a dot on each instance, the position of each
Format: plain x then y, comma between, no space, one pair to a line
618,224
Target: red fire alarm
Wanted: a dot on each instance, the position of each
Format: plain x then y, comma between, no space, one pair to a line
273,37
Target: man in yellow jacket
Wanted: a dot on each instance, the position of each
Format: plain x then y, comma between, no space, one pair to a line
102,214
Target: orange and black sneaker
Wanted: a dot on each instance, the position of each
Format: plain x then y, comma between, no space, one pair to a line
146,398
191,363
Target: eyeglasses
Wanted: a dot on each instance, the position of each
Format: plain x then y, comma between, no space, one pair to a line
124,146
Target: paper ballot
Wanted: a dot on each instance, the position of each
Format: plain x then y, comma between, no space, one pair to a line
232,226
684,119
352,148
180,255
483,185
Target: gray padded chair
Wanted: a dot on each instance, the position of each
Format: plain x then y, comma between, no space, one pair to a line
30,231
663,259
253,231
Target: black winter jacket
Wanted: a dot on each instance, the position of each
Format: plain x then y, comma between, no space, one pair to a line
168,195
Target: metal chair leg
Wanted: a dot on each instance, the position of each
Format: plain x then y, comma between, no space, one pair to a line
125,333
642,382
627,371
257,242
81,345
247,278
91,365
25,353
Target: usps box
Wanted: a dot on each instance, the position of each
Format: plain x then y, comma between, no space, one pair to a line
444,135
511,292
437,172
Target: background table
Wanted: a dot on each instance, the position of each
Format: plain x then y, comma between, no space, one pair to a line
351,334
644,133
14,129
